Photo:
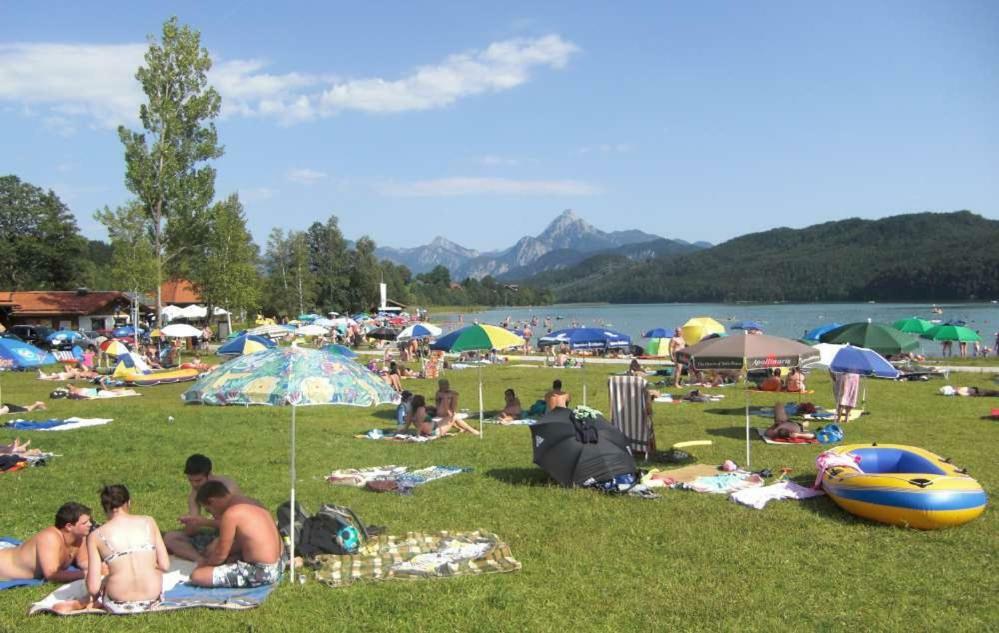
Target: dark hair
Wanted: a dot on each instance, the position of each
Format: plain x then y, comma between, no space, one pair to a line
556,384
406,395
211,490
634,364
511,392
419,401
69,513
114,497
198,464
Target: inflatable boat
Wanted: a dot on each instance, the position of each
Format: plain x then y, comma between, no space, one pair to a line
155,376
904,485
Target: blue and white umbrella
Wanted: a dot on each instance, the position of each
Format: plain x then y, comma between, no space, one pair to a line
63,335
124,331
816,332
420,330
862,361
586,338
659,332
15,354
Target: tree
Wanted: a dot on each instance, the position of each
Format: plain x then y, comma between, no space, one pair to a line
166,164
328,262
40,244
225,274
364,275
289,282
133,264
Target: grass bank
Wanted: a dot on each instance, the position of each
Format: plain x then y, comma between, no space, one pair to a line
687,561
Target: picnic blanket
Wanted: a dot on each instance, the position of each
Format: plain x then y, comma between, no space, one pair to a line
55,424
521,422
725,483
177,594
9,543
378,434
784,441
417,556
403,478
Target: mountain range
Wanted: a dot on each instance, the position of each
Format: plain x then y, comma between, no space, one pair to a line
568,240
919,256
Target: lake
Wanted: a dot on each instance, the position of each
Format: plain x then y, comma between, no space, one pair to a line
785,319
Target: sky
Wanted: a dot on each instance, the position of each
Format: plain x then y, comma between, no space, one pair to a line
483,121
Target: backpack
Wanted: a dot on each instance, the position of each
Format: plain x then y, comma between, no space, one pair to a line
333,530
538,408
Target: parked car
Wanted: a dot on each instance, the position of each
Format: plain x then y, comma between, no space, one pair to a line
34,334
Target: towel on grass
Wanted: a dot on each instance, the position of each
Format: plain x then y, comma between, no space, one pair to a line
10,543
725,483
417,556
403,478
759,497
523,422
378,434
56,425
177,594
784,442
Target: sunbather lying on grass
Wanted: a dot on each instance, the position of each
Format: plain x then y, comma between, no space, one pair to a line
16,408
784,429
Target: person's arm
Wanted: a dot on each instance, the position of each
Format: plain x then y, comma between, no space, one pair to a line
193,521
162,556
94,571
223,544
47,552
82,558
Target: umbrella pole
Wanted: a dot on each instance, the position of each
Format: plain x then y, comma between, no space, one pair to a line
291,527
481,413
747,429
583,367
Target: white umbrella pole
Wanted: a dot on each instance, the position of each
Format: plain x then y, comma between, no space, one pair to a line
291,526
583,366
481,414
747,429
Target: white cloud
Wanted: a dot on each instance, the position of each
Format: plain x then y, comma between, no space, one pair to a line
449,187
96,82
490,160
306,176
257,194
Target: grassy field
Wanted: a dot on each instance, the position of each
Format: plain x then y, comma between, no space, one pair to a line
684,562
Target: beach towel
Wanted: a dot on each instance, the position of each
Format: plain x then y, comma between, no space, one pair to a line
826,415
664,478
403,478
725,483
56,425
378,434
177,594
9,543
785,441
358,477
105,394
418,556
759,497
522,422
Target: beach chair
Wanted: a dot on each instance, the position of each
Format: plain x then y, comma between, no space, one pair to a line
628,412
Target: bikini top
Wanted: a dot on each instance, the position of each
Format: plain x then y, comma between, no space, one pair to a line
113,554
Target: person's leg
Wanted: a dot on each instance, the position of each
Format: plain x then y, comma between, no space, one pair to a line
203,577
180,545
465,426
37,406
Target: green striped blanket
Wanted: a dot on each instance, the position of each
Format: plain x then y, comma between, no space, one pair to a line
416,556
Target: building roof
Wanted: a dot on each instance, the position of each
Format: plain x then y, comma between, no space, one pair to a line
179,292
55,302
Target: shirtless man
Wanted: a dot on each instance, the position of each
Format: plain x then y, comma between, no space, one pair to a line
199,532
49,553
556,398
7,407
447,408
675,345
247,552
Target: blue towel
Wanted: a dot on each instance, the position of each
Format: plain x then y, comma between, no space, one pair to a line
185,596
34,425
10,584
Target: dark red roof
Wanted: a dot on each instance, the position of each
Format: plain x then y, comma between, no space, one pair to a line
45,302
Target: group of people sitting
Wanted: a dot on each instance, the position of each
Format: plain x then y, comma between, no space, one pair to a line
794,383
123,560
435,421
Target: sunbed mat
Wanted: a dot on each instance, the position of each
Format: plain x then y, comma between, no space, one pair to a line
177,594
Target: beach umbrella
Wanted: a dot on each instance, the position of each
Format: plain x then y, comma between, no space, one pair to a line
16,354
271,330
879,337
912,325
746,325
383,334
324,322
586,338
827,351
246,344
292,376
308,318
743,352
63,336
658,332
311,330
420,330
697,328
953,333
574,451
340,350
814,333
657,347
157,333
124,331
171,312
477,337
181,330
862,361
114,348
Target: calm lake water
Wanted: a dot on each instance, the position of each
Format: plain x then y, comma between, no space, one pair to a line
789,320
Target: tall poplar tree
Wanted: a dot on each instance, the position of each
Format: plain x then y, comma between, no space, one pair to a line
166,164
225,272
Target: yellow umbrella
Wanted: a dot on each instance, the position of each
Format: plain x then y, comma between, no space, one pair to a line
155,333
697,328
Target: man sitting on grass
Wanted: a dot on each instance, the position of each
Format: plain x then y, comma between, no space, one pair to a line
198,531
248,550
556,398
49,553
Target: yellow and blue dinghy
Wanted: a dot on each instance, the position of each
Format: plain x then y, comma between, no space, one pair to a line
904,485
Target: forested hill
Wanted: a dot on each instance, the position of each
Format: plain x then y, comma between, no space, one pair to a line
922,256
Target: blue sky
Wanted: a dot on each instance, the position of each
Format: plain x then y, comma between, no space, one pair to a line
700,121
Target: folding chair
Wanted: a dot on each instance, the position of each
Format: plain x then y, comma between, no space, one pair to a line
628,412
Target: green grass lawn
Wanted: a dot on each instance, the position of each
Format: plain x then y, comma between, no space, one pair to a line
684,562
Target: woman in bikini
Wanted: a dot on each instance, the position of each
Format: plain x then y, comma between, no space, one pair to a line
512,410
133,550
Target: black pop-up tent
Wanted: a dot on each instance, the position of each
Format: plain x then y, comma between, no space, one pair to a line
574,451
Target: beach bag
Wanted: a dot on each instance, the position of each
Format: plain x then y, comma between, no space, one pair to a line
289,521
829,434
538,408
333,530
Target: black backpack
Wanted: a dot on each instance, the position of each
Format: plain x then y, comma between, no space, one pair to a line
333,530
